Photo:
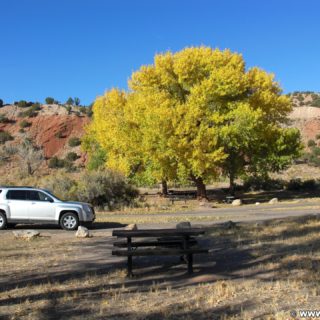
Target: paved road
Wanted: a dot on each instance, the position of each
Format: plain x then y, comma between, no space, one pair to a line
244,213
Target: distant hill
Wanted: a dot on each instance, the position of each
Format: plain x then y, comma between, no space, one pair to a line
50,127
306,114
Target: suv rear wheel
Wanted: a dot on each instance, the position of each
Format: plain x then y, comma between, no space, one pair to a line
3,221
69,221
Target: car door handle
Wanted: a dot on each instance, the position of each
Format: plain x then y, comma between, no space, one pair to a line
33,203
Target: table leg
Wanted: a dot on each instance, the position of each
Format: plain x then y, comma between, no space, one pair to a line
129,265
190,263
189,256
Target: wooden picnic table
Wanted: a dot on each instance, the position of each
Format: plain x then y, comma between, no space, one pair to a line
168,242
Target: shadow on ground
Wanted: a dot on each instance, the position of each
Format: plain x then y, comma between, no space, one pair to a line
94,226
233,256
264,196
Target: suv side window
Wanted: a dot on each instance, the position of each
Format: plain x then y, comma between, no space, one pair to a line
16,195
38,196
44,197
33,195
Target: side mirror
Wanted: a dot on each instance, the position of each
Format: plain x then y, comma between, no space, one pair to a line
49,200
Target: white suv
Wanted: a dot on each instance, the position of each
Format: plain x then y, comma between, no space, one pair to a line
31,205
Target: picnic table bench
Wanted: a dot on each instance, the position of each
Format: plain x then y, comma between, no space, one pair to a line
164,242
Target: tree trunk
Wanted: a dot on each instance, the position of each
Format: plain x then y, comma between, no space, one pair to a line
29,169
232,185
201,187
164,187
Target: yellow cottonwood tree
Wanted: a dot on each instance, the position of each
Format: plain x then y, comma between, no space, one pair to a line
197,113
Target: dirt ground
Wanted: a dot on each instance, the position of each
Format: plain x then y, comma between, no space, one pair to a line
255,270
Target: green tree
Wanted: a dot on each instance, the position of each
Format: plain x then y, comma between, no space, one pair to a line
70,102
1,103
311,143
76,101
50,100
195,114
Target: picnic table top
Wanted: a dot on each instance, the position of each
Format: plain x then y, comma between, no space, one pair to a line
158,232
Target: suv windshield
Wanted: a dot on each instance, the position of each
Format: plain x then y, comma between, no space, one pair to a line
51,194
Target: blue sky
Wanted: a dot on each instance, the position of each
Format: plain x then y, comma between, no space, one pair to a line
81,48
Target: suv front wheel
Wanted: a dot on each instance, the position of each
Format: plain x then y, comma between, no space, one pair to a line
3,221
69,221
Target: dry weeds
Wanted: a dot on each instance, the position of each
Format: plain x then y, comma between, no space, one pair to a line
261,271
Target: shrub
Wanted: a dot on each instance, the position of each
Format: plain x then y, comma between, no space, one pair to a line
74,142
316,151
83,110
36,107
97,159
318,136
5,136
28,114
100,188
89,112
59,135
22,104
313,159
71,156
311,143
68,165
50,100
24,124
294,184
105,188
297,184
257,183
4,119
310,184
55,163
300,97
316,102
1,103
60,185
31,112
68,109
30,156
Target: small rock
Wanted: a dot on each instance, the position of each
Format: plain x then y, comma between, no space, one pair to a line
26,234
204,203
131,227
257,203
274,200
83,232
183,225
236,202
229,225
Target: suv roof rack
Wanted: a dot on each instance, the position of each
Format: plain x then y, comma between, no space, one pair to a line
17,187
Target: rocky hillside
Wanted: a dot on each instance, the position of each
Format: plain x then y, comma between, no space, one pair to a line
306,114
50,127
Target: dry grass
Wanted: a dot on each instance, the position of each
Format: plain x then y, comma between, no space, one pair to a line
261,271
